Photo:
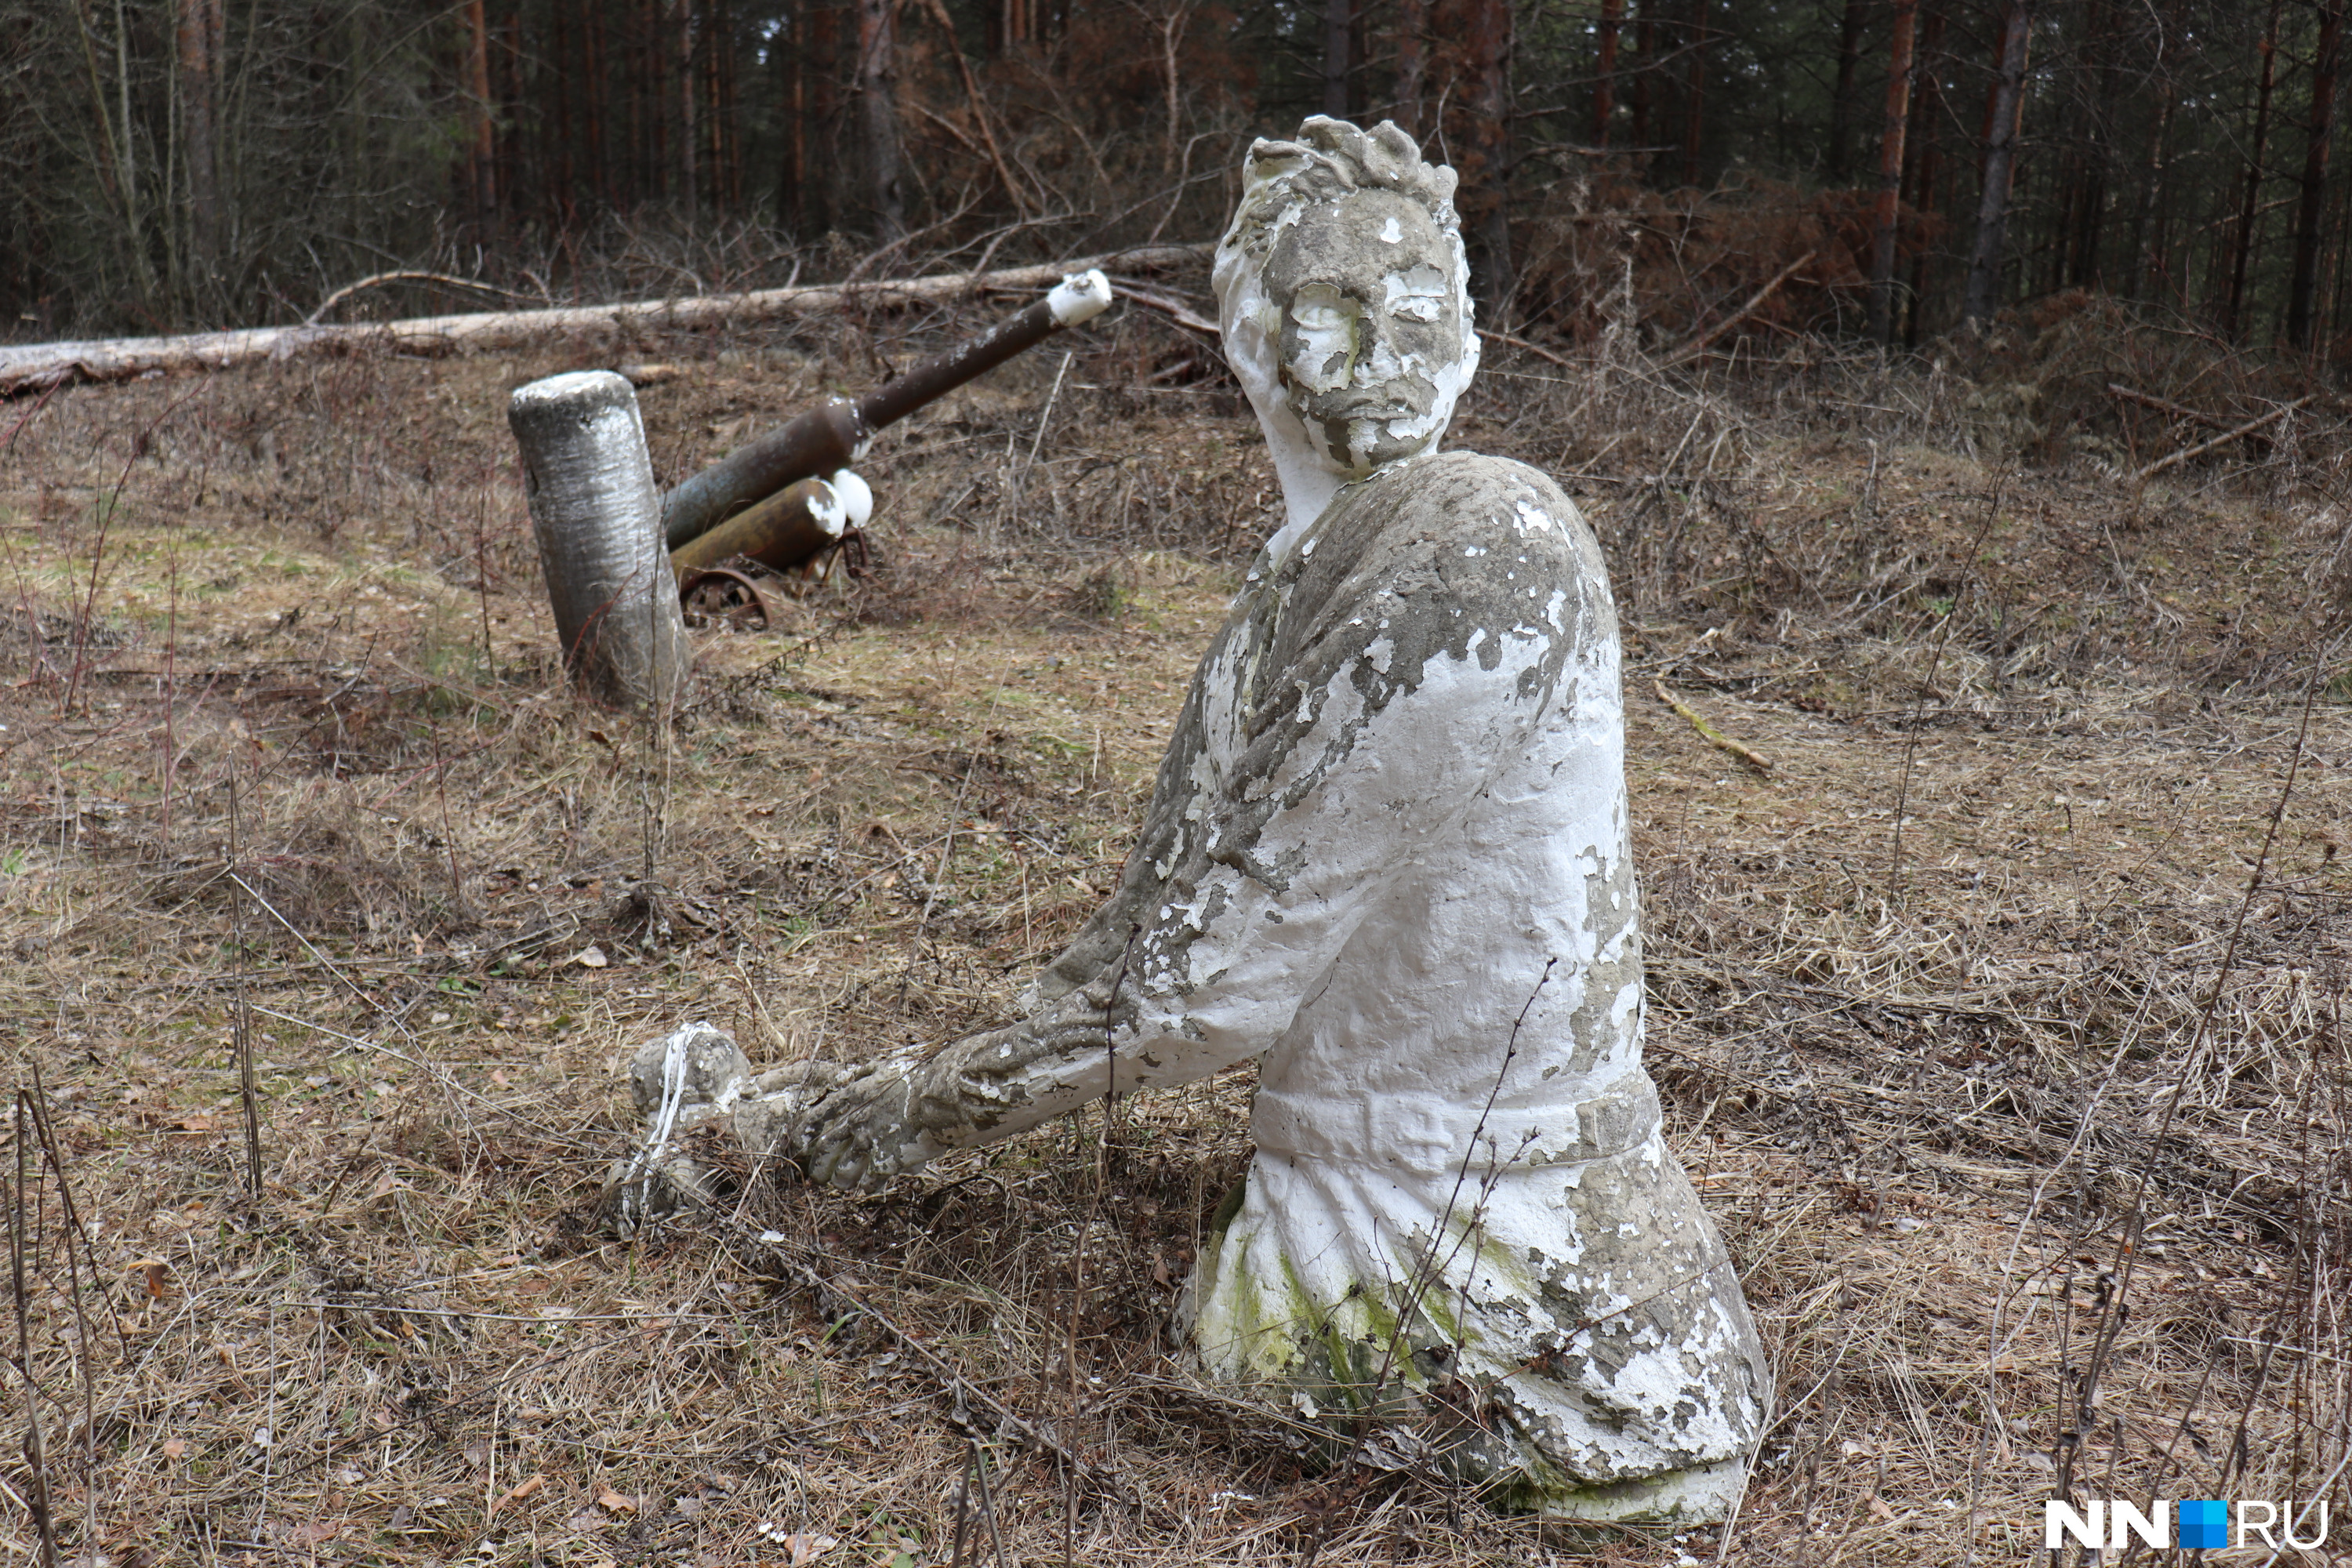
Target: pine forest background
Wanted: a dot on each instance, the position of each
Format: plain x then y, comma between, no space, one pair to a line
174,164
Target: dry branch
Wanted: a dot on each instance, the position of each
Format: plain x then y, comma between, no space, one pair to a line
1710,734
2223,439
2179,411
384,280
1535,349
1705,340
36,366
961,1389
1175,309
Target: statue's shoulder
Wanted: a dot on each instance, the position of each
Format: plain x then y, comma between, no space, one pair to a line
1460,482
1448,552
1465,498
1458,539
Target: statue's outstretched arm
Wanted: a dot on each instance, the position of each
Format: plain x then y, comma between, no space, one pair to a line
1273,829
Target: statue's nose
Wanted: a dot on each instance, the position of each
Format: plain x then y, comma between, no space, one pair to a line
1376,352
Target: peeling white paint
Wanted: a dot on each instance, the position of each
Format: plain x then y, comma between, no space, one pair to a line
856,497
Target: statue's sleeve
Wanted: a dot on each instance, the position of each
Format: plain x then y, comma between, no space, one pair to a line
1337,734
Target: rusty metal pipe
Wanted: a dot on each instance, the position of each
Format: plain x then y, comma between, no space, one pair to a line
783,530
829,436
836,433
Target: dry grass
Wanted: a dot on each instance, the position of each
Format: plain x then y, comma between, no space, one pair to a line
1929,1110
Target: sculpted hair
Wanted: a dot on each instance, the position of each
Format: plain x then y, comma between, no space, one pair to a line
1330,159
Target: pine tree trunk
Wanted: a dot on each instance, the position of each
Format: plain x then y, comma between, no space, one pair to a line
690,93
1338,24
1359,96
1412,62
1926,166
794,199
825,196
2341,249
731,113
482,126
1488,135
1694,101
2148,268
655,152
1646,43
566,134
199,94
1880,317
508,176
1982,294
2302,293
2098,57
1849,63
1172,80
2242,249
878,114
1604,76
593,97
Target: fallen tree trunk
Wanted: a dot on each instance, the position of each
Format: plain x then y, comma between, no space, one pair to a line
35,367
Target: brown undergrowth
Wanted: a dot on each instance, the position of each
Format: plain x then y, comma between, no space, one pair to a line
2030,1149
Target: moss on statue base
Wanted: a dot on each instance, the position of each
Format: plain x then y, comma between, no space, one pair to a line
1393,1365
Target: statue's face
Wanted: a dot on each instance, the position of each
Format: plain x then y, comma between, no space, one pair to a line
1372,331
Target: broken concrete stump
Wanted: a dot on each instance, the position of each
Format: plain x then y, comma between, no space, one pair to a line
596,513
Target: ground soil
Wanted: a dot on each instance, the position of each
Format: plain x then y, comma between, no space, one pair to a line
1995,970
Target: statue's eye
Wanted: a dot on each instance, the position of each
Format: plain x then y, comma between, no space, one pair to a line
1323,315
1417,293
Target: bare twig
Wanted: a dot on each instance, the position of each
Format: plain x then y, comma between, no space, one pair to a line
247,1093
1705,340
1431,1266
76,1231
382,279
951,1381
1175,309
2131,394
37,1463
988,1504
1535,349
1710,733
979,108
1927,683
1046,417
2113,1308
2223,439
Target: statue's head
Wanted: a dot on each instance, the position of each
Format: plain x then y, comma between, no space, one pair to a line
1344,294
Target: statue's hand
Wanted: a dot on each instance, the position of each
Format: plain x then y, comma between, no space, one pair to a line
846,1125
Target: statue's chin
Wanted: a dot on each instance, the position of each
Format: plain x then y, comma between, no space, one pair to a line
1342,440
1353,435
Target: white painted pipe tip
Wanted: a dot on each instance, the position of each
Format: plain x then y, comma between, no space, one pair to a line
1081,297
856,496
825,509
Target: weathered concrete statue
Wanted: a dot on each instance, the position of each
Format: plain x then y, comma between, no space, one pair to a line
1388,854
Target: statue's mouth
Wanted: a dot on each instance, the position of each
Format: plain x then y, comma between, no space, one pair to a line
1378,408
